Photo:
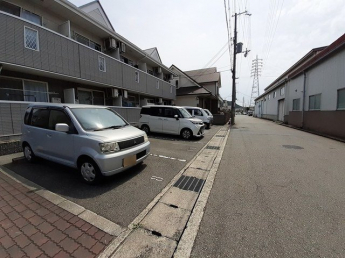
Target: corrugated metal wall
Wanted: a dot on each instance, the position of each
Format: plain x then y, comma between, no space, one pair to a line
63,56
12,115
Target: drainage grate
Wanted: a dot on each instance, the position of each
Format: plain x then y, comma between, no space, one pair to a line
220,135
212,147
189,183
295,147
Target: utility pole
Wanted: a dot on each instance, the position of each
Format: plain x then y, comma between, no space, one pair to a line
255,73
237,50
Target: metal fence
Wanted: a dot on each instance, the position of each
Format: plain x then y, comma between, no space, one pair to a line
12,114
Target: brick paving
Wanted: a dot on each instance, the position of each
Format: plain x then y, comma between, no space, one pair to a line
31,226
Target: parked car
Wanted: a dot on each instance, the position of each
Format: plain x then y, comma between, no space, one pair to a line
201,114
170,120
95,140
250,113
209,114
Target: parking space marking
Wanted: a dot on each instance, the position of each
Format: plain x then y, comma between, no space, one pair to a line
172,139
157,178
165,157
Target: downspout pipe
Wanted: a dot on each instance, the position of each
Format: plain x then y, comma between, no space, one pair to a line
304,86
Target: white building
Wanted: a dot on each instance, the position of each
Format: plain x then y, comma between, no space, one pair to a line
311,94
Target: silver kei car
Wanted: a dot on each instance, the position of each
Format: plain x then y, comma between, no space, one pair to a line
94,139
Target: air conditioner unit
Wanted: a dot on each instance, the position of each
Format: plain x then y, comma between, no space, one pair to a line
122,47
125,94
110,43
56,100
115,93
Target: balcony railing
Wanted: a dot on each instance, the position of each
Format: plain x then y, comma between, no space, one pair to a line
64,56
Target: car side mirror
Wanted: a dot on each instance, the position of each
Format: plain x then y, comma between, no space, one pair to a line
176,116
62,127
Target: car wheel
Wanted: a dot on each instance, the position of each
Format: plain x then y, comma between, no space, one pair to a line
146,129
28,153
186,134
89,171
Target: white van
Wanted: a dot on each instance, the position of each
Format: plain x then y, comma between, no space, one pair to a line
94,139
201,114
170,120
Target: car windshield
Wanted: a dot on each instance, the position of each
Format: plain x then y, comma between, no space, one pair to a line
185,113
208,112
96,119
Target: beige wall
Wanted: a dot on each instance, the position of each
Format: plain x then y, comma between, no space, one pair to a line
186,101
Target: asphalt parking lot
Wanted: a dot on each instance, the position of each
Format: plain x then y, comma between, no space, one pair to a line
122,197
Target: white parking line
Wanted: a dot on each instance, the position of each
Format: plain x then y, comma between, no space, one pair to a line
157,178
165,157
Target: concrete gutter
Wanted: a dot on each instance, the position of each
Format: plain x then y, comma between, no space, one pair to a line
169,224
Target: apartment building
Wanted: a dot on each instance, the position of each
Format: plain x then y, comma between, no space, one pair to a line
314,93
53,51
199,88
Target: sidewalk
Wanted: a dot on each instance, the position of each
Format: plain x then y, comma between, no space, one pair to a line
31,226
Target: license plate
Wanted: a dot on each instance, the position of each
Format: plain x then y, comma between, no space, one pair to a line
129,161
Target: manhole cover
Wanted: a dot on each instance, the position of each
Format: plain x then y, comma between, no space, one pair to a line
294,147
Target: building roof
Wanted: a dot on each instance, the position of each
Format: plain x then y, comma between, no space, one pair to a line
194,90
320,57
101,10
153,52
204,75
300,62
283,77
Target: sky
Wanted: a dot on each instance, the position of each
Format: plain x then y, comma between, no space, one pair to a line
192,34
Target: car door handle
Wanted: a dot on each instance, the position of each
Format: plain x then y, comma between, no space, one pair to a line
165,119
159,118
49,135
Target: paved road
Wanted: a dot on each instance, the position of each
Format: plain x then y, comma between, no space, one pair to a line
274,201
122,197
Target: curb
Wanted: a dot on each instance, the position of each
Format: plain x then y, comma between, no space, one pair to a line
312,132
96,220
146,221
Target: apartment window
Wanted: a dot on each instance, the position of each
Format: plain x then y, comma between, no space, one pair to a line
35,91
176,83
20,12
11,89
9,8
31,17
282,90
101,64
157,85
87,42
341,99
315,102
295,105
274,94
137,77
31,38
